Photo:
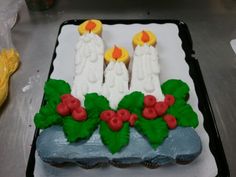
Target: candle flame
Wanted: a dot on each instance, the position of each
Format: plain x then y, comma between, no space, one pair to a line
117,52
90,25
145,37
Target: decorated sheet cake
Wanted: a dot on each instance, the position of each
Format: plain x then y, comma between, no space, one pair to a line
114,108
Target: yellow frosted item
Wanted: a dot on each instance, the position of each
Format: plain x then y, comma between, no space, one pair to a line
138,40
124,57
92,25
9,62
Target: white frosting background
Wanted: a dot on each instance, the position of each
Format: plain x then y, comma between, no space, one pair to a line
173,66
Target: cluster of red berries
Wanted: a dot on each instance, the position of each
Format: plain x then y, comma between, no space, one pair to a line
115,120
154,108
71,106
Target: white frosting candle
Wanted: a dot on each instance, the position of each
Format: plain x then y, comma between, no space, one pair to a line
145,71
116,82
88,65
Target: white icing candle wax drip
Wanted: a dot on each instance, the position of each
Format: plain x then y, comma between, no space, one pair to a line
88,65
145,71
116,82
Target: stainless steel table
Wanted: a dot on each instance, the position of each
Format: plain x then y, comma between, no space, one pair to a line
212,25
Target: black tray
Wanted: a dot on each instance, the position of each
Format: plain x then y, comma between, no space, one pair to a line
215,143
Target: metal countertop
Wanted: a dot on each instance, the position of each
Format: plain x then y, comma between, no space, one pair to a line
212,25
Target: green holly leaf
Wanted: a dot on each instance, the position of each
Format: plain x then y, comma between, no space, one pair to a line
177,88
96,103
114,140
47,116
132,102
78,130
184,114
54,89
41,121
155,131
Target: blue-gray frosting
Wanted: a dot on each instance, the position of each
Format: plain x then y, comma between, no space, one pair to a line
182,145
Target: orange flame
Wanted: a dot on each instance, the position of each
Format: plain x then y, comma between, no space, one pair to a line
145,37
117,52
90,25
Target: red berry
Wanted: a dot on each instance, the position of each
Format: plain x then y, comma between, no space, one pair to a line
149,100
160,107
66,97
149,113
62,109
171,121
79,114
133,118
124,114
107,115
169,100
72,103
115,123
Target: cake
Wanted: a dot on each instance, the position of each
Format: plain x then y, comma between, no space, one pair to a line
123,116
